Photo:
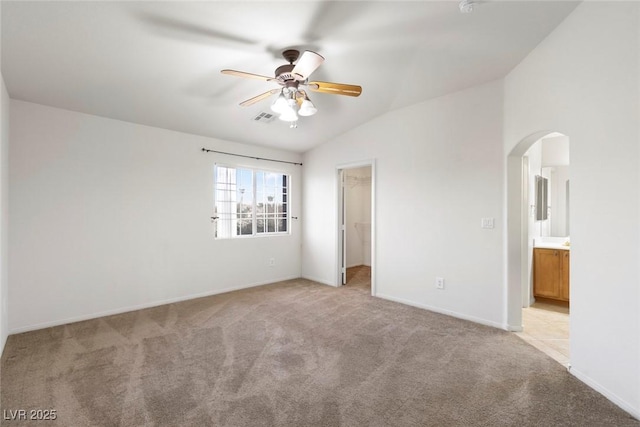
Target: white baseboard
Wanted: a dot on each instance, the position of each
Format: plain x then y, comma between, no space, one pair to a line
512,328
442,311
317,279
633,411
121,310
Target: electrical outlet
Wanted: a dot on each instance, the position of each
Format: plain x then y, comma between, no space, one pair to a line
272,262
439,283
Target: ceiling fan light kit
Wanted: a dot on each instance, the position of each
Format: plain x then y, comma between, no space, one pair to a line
280,104
307,108
289,114
293,101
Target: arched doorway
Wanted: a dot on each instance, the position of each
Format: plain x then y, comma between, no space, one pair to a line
521,219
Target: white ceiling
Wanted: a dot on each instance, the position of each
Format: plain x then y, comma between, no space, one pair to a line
157,63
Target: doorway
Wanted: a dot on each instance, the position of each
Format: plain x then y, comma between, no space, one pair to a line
538,193
356,226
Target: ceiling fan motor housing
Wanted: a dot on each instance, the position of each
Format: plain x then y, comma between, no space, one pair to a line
291,55
283,73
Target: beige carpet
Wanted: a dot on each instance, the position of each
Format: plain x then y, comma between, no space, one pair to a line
294,353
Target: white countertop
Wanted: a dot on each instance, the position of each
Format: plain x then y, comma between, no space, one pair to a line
550,245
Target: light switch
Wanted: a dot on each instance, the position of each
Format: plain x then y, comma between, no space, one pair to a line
487,223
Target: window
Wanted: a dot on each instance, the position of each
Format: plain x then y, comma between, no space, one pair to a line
250,202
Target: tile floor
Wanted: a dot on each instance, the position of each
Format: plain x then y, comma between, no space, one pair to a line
546,327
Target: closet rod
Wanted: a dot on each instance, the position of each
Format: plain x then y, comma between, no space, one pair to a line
206,150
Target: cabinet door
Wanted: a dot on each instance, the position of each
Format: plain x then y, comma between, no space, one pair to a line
546,273
564,286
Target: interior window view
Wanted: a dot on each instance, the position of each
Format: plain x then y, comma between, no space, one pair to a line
320,213
237,212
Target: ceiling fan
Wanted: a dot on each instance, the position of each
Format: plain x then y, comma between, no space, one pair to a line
293,101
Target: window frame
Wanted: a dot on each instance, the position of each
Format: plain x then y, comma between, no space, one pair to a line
255,215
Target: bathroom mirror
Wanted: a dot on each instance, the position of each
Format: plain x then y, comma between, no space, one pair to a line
554,195
542,203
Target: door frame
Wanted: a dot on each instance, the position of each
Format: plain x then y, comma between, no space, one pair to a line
517,282
340,254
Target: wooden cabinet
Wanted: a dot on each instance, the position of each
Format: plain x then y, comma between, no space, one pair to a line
551,273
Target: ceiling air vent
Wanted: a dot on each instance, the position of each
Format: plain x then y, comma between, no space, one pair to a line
264,117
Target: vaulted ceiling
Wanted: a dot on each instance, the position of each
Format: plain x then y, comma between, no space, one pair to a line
158,63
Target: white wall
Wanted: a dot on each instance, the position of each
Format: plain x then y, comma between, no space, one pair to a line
438,172
583,82
4,207
555,151
358,220
108,216
4,214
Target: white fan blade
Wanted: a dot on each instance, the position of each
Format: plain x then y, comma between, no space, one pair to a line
306,65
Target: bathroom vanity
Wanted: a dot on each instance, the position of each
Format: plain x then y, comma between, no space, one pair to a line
551,272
